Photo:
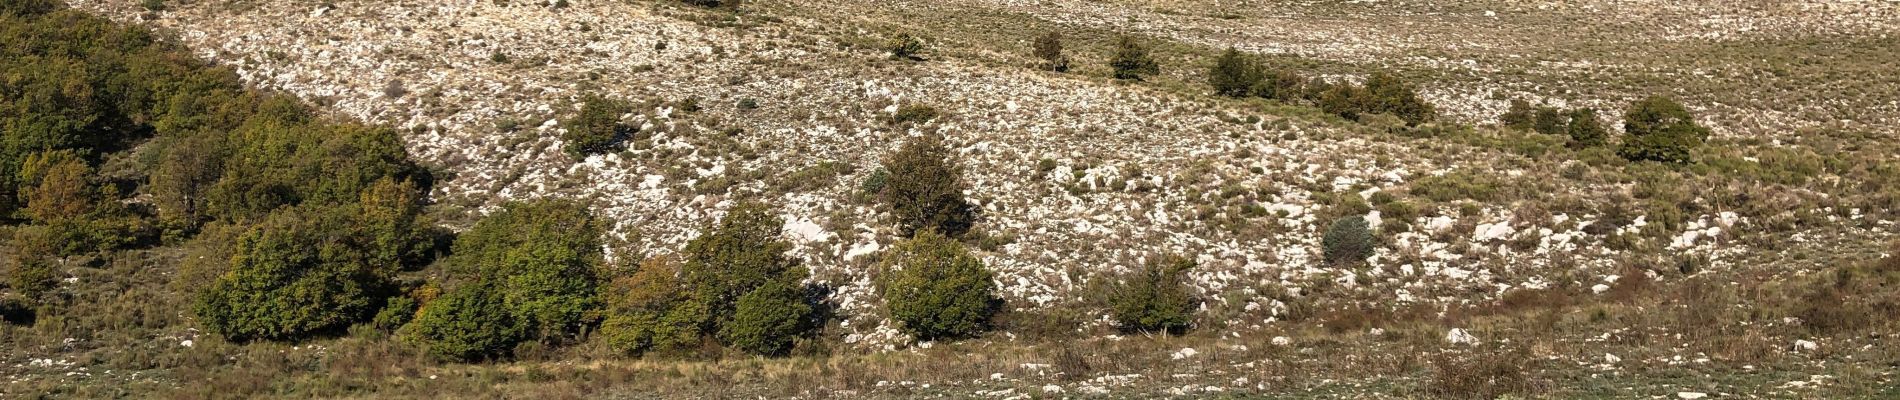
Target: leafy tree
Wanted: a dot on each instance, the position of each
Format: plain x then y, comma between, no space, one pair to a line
924,189
1348,240
34,272
1585,130
187,169
906,47
645,312
1550,121
1131,60
299,272
472,322
765,320
744,253
1279,85
544,257
57,189
1660,130
1234,74
597,129
1389,95
1048,47
1521,115
1156,298
936,289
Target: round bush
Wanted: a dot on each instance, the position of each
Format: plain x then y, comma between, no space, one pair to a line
936,289
1348,240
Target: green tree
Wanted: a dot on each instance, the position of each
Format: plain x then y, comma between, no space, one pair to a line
597,129
300,272
1348,240
57,187
1660,130
1586,130
1550,121
1345,100
1156,298
1387,94
1234,74
936,289
544,257
645,312
924,189
1279,85
470,323
1048,47
1521,116
1131,60
765,320
742,254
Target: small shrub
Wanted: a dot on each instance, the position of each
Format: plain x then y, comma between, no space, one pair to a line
1279,85
1131,60
1482,376
597,129
1048,48
905,47
1234,74
1348,240
1156,298
914,114
1661,130
1550,121
1389,95
924,189
1521,116
936,289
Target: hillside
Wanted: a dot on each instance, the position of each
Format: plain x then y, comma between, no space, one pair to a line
1503,260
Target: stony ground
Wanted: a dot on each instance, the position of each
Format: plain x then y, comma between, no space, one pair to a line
1139,170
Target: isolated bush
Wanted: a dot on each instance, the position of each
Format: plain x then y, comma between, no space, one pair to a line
936,289
543,257
742,254
905,47
1048,47
1131,60
1234,74
1156,298
914,113
1348,240
469,323
1660,130
597,129
924,189
1586,130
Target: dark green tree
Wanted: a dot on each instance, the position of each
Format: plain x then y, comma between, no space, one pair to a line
1155,298
1521,116
924,189
302,271
1348,240
1131,60
469,323
906,47
1389,95
1662,130
597,129
936,289
1279,85
744,253
765,320
1234,74
1550,121
544,258
1586,130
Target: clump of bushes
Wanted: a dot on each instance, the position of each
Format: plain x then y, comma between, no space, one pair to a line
597,128
1659,129
1348,240
1048,48
1155,298
1235,74
1581,125
1131,60
923,188
936,289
